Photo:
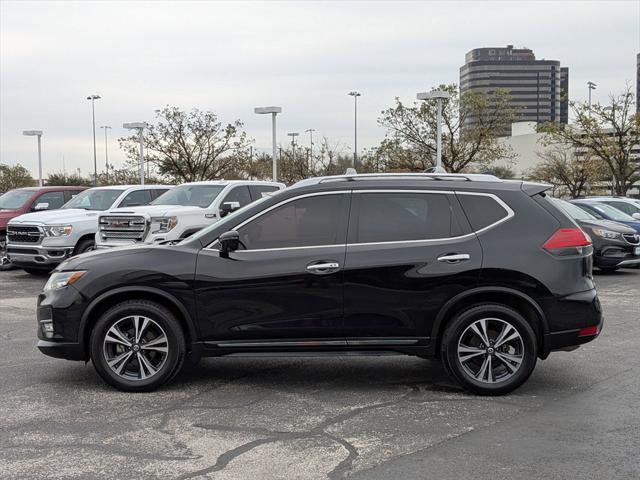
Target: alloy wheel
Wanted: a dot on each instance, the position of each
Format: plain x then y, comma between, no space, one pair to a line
491,350
135,347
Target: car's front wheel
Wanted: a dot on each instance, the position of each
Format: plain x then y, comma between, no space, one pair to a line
489,349
137,346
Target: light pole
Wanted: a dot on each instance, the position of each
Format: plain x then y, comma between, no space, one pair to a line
93,98
310,132
590,86
139,126
355,96
106,151
438,95
273,111
37,133
293,136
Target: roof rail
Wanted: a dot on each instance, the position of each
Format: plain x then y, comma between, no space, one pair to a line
467,177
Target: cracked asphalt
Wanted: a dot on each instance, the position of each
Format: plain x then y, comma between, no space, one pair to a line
314,418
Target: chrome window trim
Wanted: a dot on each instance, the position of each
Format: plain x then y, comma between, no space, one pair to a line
510,214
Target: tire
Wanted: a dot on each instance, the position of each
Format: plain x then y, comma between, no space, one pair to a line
157,366
84,246
466,366
38,272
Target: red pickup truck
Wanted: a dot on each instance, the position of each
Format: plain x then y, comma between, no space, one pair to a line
30,199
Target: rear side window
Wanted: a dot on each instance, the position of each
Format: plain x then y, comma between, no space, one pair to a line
137,197
238,194
627,208
156,192
52,200
259,191
481,210
389,217
309,221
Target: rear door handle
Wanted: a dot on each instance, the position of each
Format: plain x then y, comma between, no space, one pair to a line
325,267
454,257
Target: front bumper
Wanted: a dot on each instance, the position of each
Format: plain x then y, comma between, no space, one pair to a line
37,256
613,256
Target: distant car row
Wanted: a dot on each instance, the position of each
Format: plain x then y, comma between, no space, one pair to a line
72,224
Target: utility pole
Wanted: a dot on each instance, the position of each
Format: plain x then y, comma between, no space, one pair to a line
355,96
93,98
106,152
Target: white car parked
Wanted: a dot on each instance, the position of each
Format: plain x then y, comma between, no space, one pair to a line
180,212
37,242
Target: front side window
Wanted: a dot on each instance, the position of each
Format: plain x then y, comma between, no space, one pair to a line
190,195
389,217
15,199
137,197
309,221
52,200
95,199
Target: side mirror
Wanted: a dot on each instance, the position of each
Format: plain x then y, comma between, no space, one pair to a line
41,206
636,216
227,207
229,242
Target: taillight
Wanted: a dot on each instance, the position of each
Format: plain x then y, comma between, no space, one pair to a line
589,331
567,241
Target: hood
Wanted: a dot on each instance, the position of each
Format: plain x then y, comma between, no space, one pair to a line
159,210
608,225
84,261
57,217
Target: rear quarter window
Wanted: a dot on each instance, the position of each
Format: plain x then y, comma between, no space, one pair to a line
482,210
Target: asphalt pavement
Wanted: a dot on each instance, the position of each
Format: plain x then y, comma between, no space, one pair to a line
578,416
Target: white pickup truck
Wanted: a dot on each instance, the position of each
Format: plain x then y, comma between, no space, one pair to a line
180,212
37,242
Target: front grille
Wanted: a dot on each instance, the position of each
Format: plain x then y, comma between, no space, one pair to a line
633,239
122,227
24,234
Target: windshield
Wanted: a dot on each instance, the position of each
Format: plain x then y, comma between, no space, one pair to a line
94,199
612,213
190,195
573,211
14,199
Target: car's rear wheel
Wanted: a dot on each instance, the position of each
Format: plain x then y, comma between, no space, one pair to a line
137,346
490,349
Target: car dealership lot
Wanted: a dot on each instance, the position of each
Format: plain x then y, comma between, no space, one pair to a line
365,417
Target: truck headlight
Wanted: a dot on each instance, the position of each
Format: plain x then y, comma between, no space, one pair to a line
163,224
600,232
58,230
59,280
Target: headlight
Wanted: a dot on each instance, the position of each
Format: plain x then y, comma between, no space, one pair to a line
163,224
62,279
600,232
58,230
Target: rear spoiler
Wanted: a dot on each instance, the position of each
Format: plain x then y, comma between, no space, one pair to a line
531,188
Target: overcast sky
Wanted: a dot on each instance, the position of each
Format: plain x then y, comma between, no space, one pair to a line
303,56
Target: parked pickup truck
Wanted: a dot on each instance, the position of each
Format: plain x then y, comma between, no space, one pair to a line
180,212
30,199
37,242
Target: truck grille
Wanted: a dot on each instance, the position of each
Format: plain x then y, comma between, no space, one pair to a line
24,234
122,227
632,239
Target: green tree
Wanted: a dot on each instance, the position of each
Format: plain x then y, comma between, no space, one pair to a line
14,177
410,141
608,132
190,146
59,179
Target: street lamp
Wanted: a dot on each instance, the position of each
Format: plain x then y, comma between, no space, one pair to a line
106,152
355,96
273,111
93,98
590,86
37,133
310,132
139,126
438,95
293,136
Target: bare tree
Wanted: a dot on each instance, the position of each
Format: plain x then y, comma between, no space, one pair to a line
410,142
190,146
608,132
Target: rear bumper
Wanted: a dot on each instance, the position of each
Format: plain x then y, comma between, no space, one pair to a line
37,256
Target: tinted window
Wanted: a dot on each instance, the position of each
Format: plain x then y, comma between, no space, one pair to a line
481,210
386,217
317,220
54,199
259,191
156,192
238,194
137,197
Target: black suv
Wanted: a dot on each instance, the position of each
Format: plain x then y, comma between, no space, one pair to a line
487,275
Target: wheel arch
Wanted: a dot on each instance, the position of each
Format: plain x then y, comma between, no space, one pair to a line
106,300
516,299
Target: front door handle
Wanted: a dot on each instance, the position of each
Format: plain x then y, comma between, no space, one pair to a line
324,267
454,257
